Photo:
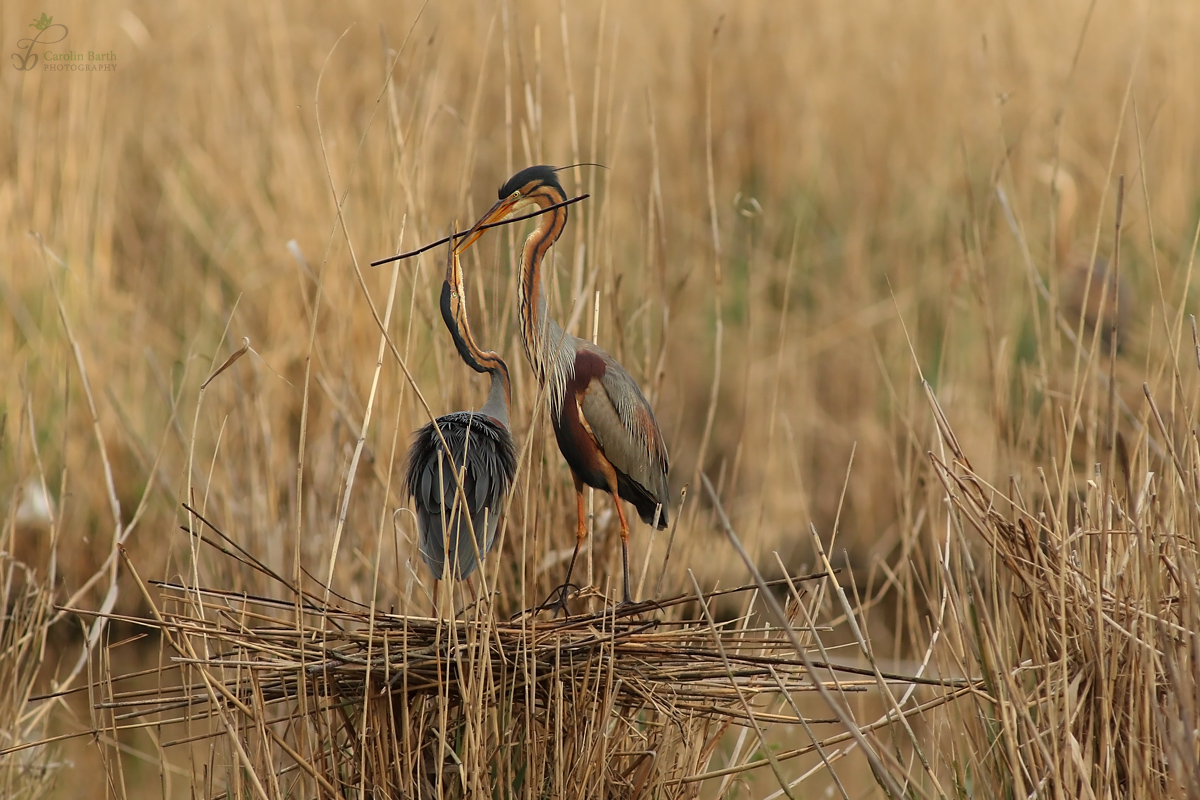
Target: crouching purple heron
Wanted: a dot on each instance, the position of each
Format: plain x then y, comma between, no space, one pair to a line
456,530
605,429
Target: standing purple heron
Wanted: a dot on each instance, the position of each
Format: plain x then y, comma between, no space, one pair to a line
1089,290
605,429
455,531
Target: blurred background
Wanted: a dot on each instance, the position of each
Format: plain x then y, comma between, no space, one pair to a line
804,210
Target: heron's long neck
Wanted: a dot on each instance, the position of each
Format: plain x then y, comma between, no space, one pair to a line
454,314
545,342
496,406
1068,204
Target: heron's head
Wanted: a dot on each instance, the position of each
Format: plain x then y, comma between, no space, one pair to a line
1056,177
537,185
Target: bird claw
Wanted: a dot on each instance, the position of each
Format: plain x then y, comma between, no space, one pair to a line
557,600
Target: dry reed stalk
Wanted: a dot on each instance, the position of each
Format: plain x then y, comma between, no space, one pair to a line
169,187
303,698
26,606
1085,633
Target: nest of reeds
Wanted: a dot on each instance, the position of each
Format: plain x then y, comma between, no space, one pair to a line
307,694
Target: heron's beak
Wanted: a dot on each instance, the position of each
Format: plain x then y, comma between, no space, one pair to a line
497,212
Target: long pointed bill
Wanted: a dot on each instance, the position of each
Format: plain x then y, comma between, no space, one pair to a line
497,212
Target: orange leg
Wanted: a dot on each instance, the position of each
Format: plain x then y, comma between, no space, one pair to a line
560,605
612,483
580,515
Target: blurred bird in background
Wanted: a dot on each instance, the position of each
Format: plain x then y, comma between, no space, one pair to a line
1086,289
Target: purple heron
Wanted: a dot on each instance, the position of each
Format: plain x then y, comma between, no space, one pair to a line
478,446
1088,290
605,429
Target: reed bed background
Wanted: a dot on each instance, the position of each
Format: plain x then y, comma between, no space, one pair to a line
820,244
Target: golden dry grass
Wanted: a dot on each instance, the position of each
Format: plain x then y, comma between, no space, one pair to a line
807,210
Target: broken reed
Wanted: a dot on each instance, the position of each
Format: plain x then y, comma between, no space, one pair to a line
293,696
1083,610
26,609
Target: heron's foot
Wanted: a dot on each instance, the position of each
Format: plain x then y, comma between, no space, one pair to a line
632,608
557,600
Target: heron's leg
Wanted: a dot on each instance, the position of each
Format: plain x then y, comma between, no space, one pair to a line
470,582
580,526
628,596
560,605
436,584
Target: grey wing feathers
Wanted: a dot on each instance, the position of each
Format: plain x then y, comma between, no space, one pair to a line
487,450
625,428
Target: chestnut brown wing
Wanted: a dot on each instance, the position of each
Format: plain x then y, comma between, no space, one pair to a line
627,433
